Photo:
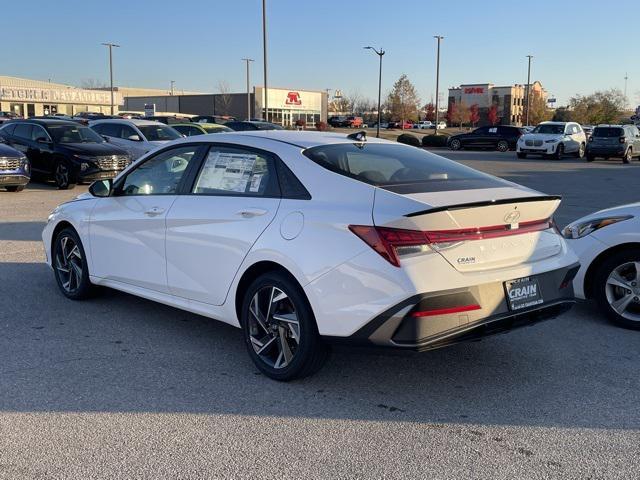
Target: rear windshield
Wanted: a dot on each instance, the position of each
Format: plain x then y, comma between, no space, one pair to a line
607,132
158,132
399,168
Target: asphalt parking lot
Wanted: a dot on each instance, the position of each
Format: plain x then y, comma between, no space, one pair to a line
119,387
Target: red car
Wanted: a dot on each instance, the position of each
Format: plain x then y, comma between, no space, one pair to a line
406,126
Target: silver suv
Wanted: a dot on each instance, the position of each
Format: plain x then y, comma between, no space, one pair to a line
619,141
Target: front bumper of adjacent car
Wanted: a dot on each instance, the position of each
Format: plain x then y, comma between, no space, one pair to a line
544,149
397,327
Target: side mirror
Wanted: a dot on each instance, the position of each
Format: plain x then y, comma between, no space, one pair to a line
134,138
106,139
42,140
101,188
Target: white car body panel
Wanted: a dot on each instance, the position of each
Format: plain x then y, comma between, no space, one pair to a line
589,247
169,257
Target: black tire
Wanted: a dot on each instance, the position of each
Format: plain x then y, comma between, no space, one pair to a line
590,158
75,285
559,152
455,144
628,156
502,146
15,188
307,354
581,151
521,155
600,293
63,175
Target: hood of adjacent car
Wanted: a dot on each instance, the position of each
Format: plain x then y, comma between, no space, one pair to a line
91,149
7,151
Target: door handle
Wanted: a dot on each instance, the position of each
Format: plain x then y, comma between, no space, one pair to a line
251,212
154,211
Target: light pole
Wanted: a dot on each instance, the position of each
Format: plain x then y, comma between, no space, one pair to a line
439,39
264,55
111,45
380,54
528,99
247,60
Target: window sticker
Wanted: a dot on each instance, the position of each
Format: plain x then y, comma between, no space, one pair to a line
230,172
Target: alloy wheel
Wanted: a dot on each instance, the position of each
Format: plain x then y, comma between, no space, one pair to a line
455,144
62,175
503,146
274,329
622,290
68,264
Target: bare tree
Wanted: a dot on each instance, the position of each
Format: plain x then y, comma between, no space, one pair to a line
93,84
225,96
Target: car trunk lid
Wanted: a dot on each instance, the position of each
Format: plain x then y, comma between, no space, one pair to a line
478,229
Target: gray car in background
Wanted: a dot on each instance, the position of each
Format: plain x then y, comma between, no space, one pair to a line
137,137
619,141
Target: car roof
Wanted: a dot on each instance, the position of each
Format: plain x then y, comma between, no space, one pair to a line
47,121
554,123
128,121
302,139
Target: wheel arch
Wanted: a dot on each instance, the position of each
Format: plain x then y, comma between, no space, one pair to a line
61,225
595,264
254,271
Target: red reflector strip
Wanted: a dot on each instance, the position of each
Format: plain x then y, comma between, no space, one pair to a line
481,233
445,311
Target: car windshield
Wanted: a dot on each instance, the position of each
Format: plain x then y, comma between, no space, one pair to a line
158,132
608,132
399,168
73,134
552,129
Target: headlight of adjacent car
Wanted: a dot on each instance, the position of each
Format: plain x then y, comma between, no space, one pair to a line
53,214
584,228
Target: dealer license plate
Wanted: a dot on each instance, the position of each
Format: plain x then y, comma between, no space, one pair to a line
523,292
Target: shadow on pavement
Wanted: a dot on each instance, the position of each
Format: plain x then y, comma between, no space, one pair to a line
21,231
118,353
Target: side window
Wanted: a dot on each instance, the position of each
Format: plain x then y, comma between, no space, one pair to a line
109,129
8,129
193,131
38,132
127,132
481,131
23,130
237,172
159,175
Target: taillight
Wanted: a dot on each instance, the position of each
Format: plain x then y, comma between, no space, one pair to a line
623,139
392,243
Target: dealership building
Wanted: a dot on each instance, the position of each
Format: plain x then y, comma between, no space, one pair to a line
284,105
30,98
509,100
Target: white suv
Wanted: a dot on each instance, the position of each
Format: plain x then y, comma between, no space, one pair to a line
553,139
137,137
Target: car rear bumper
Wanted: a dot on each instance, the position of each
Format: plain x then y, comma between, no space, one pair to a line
398,328
609,151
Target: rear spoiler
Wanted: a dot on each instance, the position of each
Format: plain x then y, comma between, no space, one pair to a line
485,203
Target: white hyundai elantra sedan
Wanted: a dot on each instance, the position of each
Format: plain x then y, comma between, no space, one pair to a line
303,238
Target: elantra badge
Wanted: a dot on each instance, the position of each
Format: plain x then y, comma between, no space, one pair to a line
466,260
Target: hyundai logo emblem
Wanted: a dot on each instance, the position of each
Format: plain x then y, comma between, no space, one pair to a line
512,217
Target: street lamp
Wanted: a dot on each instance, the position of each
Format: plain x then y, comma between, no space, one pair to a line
527,101
247,60
380,53
439,39
264,55
111,45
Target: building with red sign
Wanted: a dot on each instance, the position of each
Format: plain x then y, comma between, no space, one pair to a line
509,100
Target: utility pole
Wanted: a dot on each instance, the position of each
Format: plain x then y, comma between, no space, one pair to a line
380,54
439,39
528,99
264,55
172,84
111,45
247,61
626,77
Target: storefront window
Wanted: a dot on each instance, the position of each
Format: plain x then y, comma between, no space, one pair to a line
31,110
17,108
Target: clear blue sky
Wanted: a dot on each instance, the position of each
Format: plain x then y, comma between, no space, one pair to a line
579,46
